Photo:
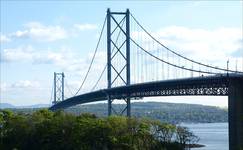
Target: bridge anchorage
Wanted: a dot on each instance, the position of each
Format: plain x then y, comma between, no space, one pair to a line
212,81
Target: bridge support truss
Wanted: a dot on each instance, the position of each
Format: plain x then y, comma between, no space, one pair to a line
115,73
58,87
235,106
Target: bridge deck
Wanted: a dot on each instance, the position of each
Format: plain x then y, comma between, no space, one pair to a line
208,86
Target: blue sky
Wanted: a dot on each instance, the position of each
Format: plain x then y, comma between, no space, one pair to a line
38,38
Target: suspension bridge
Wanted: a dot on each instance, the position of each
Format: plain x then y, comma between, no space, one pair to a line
139,65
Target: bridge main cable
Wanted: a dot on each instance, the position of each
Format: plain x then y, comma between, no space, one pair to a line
216,68
168,63
96,49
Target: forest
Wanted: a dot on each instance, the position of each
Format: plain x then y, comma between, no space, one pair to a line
45,130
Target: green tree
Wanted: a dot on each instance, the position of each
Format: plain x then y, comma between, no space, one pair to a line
185,136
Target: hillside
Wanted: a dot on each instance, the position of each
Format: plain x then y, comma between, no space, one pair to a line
167,112
7,105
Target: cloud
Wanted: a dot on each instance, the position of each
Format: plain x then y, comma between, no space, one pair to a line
22,92
4,38
239,52
65,59
3,87
26,84
32,55
20,85
83,27
40,32
46,33
20,54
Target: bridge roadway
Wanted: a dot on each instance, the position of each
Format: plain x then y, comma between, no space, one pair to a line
230,85
197,86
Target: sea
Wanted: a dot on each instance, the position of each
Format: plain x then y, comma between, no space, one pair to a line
213,135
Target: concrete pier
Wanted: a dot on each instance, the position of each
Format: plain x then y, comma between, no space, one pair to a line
235,106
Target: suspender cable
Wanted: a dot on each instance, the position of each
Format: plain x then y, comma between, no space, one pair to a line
91,63
51,93
168,67
67,85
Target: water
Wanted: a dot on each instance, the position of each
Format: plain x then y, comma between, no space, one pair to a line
213,135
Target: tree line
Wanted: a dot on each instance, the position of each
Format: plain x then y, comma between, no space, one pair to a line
45,130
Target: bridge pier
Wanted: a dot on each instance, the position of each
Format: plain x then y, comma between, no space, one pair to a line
128,107
235,114
109,106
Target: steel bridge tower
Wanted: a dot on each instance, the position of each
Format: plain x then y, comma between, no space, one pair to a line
58,87
113,72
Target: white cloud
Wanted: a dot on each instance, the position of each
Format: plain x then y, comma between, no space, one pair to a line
26,84
46,33
4,38
83,27
32,55
25,92
65,59
20,34
17,54
3,87
40,32
221,39
20,85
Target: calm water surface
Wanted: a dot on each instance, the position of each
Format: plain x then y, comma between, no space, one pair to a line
213,135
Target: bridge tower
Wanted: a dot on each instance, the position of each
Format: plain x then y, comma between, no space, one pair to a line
58,87
115,73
